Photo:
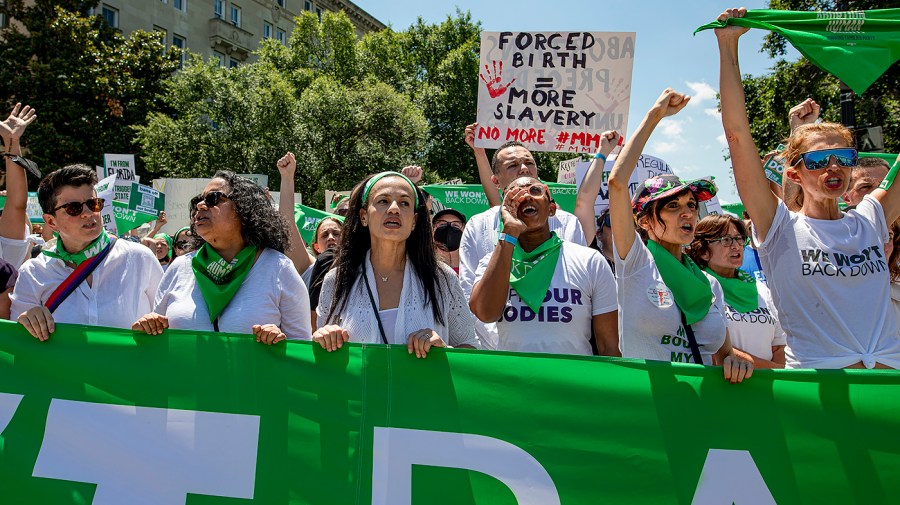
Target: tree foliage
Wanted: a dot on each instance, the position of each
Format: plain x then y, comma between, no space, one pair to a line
770,97
89,84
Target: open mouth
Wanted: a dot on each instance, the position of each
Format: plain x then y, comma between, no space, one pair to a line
833,183
90,226
392,223
687,228
528,210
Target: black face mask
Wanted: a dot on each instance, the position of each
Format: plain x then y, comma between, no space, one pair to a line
448,236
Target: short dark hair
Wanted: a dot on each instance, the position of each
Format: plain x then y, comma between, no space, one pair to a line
261,224
709,228
871,161
70,175
511,143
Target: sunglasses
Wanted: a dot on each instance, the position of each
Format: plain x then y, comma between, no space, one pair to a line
454,224
604,221
730,240
536,190
211,199
76,208
182,244
817,160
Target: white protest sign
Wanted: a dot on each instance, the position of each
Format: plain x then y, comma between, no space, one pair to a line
647,167
711,206
261,180
553,91
566,172
122,165
105,190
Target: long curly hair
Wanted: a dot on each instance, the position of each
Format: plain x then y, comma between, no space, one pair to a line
356,242
261,224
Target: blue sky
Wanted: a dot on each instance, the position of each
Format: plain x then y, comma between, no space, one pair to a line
666,54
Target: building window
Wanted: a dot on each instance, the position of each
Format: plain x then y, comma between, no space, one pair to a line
221,57
281,36
163,35
235,16
267,30
319,13
219,9
307,5
281,3
179,4
110,15
181,43
233,63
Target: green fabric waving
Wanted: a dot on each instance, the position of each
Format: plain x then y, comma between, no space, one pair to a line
740,291
532,272
92,249
857,47
689,286
218,279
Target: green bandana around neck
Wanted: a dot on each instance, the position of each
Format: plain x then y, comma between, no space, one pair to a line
740,291
689,286
532,272
92,249
857,47
218,279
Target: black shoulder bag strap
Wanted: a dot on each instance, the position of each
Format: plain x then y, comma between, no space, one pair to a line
692,340
365,277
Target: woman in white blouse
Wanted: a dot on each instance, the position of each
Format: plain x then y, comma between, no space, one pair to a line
386,285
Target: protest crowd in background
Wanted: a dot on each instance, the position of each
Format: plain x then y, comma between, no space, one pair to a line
797,282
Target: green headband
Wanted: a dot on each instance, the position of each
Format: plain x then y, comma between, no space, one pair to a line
377,177
168,239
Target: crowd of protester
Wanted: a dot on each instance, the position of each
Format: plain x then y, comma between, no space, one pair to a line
798,281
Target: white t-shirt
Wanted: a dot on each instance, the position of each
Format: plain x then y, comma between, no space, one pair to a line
582,286
757,331
830,283
650,322
478,240
14,251
272,293
122,288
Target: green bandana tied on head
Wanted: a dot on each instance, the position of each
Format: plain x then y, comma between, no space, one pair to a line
740,291
92,249
857,47
218,279
689,285
532,272
168,239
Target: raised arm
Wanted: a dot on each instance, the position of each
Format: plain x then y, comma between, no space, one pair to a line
805,112
298,253
590,185
11,130
484,167
621,217
890,198
161,221
752,185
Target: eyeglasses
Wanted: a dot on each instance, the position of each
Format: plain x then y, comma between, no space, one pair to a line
604,221
455,224
211,199
182,244
536,190
817,160
76,208
730,240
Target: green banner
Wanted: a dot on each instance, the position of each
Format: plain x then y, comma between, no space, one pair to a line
308,218
469,199
109,416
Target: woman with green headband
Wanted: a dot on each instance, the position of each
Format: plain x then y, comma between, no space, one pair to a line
164,249
386,285
750,316
182,241
239,280
669,309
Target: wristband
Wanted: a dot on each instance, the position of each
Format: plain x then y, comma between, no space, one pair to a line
508,238
889,178
600,156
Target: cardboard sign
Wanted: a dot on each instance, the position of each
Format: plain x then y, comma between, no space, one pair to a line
566,172
105,191
553,91
647,166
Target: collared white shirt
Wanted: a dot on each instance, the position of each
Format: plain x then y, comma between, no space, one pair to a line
123,287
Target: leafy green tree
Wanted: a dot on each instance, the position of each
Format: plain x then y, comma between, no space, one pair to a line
89,84
770,97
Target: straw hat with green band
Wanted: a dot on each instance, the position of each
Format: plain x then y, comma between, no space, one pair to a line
663,186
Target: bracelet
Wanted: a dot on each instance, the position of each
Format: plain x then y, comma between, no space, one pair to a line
889,179
508,238
600,156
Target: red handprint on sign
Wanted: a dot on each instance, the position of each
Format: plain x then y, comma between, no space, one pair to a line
493,80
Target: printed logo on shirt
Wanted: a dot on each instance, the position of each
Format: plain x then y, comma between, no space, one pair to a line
682,352
552,309
660,295
761,315
818,262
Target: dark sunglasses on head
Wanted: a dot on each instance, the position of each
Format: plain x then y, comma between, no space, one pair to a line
211,199
76,208
603,221
817,160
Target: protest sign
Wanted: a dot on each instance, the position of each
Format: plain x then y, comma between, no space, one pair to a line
105,190
553,91
261,180
233,419
469,199
308,218
647,166
120,165
146,200
32,207
566,172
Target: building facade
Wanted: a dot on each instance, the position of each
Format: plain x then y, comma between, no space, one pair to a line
228,30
